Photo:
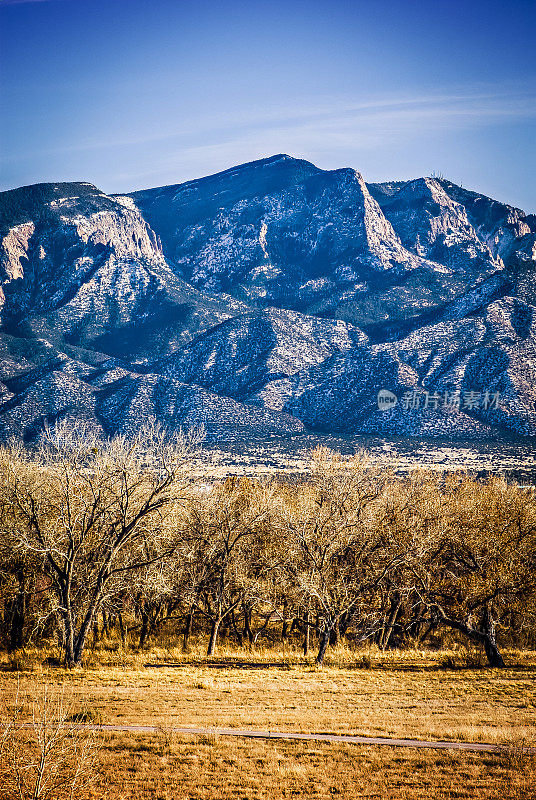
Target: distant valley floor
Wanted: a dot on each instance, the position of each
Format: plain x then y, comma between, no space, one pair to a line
514,460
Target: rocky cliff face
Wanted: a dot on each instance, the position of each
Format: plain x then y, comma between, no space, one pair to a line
265,300
281,232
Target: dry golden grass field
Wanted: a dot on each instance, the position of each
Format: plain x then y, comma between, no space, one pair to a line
411,694
218,768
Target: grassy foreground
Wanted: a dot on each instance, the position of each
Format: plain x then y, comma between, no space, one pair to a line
412,694
205,768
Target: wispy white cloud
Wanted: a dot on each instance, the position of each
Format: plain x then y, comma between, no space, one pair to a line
331,131
326,121
325,135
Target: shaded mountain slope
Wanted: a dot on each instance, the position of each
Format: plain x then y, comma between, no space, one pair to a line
88,266
465,378
242,354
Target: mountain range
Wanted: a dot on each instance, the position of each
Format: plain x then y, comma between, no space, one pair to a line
268,300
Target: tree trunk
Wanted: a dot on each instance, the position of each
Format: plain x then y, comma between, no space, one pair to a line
295,625
187,630
324,641
81,638
306,634
213,637
484,634
69,658
238,633
430,629
284,629
334,634
79,649
396,605
68,625
16,609
493,655
60,631
121,627
144,629
247,625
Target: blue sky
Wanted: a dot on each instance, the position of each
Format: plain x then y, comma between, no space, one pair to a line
136,93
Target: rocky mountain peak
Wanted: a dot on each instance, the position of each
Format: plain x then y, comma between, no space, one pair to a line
268,299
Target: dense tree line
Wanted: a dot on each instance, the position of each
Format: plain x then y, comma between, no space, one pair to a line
100,535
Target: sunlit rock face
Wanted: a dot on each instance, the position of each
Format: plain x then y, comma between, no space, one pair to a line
268,299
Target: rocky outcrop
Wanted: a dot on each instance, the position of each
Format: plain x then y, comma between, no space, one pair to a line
89,271
74,230
433,225
278,232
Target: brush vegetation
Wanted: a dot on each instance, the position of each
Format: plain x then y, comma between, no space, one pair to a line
99,535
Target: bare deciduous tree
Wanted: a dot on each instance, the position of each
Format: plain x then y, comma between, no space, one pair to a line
481,560
43,756
221,527
95,530
338,556
92,511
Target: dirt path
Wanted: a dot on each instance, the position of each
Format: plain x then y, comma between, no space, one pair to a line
312,737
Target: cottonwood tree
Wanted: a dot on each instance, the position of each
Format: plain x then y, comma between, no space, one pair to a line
410,511
221,527
337,556
92,511
156,593
481,561
264,598
19,576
